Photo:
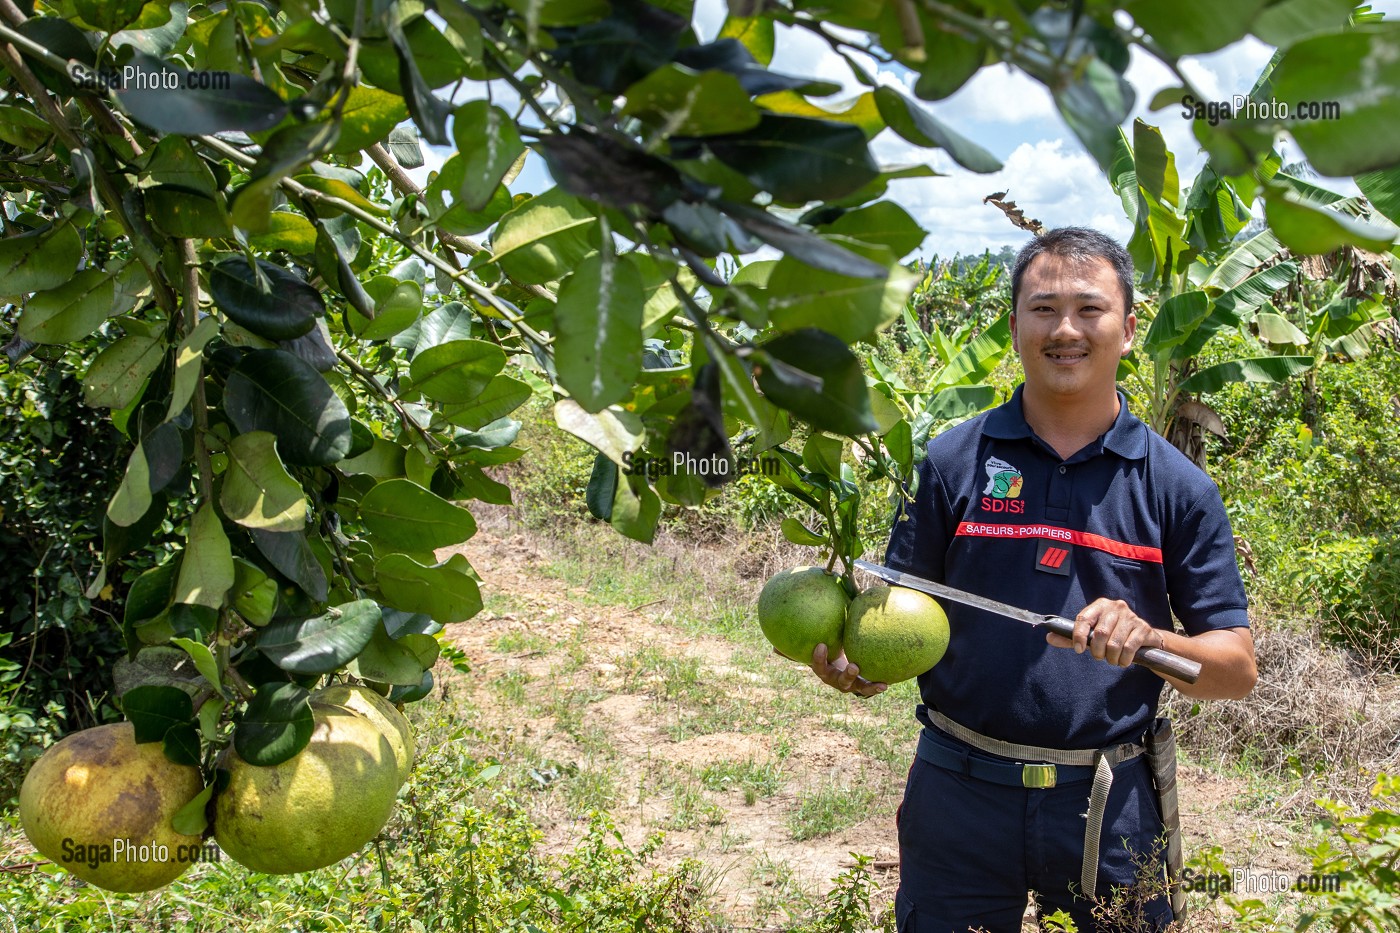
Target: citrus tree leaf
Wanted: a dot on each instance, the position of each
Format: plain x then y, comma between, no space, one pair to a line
815,376
918,126
276,725
189,360
457,371
397,305
118,372
190,820
452,321
636,509
1192,27
860,111
257,490
109,17
602,487
798,533
285,230
805,245
447,591
881,224
1094,105
289,553
613,431
543,238
191,110
598,322
181,744
38,260
322,644
1365,135
254,593
206,570
274,391
755,33
798,159
191,214
407,517
368,116
203,660
851,308
70,311
153,710
1307,229
156,31
489,145
276,305
682,102
133,497
501,396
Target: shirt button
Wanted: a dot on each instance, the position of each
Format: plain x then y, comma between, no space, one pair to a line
1062,468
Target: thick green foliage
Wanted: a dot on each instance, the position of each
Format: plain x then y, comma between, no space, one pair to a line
1317,507
56,474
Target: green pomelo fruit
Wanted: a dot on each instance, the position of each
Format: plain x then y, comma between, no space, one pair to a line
894,633
364,701
98,786
317,807
802,608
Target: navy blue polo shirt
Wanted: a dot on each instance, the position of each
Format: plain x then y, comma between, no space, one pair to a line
998,512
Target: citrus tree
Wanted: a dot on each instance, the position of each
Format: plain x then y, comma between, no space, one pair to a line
315,360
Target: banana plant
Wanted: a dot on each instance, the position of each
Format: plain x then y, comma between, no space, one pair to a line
1200,281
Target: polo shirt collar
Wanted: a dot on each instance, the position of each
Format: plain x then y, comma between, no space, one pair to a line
1127,437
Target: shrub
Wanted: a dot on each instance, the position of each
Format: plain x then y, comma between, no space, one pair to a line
58,467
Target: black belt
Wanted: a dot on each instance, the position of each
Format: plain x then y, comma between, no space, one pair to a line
937,748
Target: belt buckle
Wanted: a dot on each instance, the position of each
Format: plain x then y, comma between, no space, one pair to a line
1039,776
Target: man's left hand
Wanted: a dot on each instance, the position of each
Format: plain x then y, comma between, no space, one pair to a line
1111,631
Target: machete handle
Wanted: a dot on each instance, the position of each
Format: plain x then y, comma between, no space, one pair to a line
1158,660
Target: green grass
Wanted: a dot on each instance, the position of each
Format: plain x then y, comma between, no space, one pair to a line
830,809
754,778
461,853
522,642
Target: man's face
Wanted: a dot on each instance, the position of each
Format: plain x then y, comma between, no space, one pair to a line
1070,325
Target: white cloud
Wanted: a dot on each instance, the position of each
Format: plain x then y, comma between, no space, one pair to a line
1050,180
999,95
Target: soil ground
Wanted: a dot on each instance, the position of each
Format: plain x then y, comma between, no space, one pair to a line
629,710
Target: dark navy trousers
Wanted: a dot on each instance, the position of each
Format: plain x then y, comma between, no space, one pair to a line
970,850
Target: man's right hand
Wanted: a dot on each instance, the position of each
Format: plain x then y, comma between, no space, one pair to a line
843,675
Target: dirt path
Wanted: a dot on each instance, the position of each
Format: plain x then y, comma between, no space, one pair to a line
575,692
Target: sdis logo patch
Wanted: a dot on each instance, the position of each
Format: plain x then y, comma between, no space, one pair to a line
1003,492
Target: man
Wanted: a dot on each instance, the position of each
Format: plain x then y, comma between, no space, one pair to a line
1059,501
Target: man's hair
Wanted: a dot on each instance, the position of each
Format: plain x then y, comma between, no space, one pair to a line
1077,244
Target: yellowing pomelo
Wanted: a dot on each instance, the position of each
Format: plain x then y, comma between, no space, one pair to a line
317,807
378,710
894,633
101,806
802,608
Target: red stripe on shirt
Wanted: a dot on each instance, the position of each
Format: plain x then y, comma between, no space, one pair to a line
1056,533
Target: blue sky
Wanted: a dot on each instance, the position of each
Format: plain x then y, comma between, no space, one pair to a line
1047,172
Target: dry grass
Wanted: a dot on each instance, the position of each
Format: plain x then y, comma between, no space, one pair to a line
1316,709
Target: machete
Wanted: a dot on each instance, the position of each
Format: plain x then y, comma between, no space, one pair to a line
1154,659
